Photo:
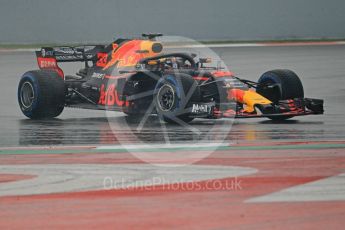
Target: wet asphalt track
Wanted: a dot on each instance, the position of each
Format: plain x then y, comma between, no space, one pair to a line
294,185
321,68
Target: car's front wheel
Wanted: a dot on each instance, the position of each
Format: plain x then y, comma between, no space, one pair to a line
173,97
286,85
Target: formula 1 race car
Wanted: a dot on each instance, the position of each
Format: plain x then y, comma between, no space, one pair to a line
135,77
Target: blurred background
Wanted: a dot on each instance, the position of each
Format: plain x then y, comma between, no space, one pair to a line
74,21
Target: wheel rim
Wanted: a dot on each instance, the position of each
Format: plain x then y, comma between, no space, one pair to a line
166,98
27,94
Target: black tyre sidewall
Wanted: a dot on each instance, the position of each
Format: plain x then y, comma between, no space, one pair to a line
290,87
184,83
49,94
289,83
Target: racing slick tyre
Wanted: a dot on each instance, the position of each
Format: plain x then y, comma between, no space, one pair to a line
41,94
287,86
174,96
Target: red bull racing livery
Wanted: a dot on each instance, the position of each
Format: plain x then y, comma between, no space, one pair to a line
134,76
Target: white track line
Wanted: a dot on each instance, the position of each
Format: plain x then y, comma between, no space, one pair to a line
18,50
60,178
65,147
329,189
163,146
121,147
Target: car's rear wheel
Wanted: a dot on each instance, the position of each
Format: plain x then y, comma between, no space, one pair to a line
174,96
278,85
41,94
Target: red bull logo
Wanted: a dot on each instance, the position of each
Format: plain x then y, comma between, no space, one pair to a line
131,52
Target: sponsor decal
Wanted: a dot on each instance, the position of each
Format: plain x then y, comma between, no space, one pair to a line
46,53
233,83
110,97
73,57
102,59
43,52
49,63
65,50
130,53
222,74
200,108
98,75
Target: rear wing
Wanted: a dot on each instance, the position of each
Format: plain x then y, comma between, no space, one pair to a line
48,57
71,54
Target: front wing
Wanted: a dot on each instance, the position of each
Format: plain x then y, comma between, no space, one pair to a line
293,107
